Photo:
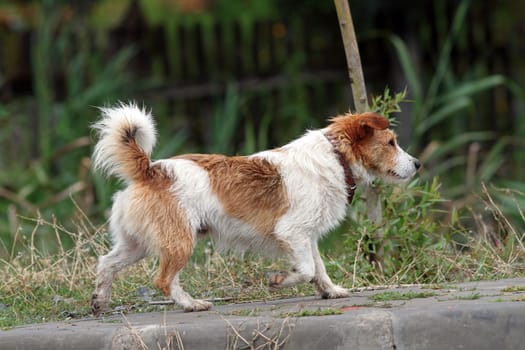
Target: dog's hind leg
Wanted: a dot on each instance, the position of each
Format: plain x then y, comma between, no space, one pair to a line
184,300
172,260
126,251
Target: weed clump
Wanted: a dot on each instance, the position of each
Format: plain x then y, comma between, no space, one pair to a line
387,296
420,247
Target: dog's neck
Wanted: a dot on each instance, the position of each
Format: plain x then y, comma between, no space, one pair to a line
349,177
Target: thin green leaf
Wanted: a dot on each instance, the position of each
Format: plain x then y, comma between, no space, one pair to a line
171,145
249,138
442,114
408,66
459,141
225,121
472,87
444,56
493,160
444,166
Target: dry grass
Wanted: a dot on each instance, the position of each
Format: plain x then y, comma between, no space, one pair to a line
38,286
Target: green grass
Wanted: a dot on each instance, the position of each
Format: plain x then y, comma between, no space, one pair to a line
513,289
308,313
38,285
47,262
408,295
243,312
519,298
43,304
473,296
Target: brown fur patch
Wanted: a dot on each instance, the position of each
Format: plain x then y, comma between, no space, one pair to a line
136,163
250,189
356,128
365,138
160,215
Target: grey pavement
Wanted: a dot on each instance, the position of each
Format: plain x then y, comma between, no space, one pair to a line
476,315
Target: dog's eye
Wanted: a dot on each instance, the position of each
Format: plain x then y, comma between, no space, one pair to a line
392,142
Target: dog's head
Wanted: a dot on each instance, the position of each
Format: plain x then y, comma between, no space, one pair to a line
365,140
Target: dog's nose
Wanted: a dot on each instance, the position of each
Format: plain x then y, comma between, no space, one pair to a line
417,164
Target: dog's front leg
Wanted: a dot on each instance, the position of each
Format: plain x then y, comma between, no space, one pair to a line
323,283
303,267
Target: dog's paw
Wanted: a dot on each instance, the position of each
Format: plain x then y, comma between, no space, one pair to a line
97,305
335,292
275,279
198,305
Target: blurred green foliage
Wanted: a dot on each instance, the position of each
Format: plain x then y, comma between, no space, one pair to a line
238,76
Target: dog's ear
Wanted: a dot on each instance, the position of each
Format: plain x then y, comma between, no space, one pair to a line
367,123
374,121
358,127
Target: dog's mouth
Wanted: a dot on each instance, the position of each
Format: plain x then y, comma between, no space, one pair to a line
397,176
393,173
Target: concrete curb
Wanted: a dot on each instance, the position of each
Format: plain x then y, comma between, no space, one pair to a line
468,316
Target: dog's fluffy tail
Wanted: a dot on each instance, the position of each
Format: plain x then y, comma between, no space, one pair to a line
127,136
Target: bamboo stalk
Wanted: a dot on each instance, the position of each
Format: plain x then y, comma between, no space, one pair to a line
357,83
353,59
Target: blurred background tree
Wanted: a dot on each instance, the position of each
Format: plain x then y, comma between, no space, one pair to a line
237,76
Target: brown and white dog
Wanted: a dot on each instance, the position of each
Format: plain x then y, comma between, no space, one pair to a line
276,202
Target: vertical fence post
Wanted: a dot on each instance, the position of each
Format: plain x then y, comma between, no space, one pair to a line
357,83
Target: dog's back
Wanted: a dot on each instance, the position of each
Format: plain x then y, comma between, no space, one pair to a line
276,202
